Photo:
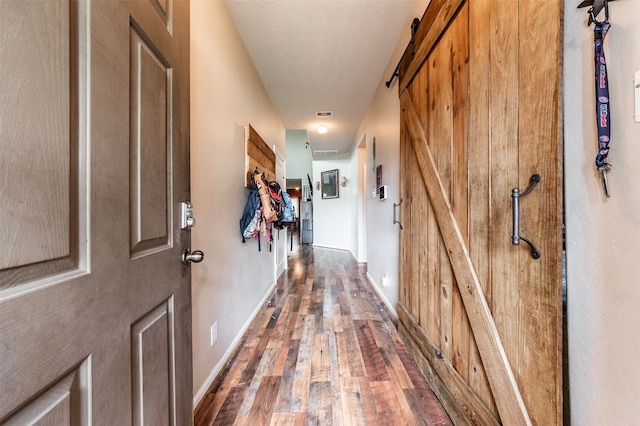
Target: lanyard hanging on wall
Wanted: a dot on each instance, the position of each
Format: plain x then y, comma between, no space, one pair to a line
603,112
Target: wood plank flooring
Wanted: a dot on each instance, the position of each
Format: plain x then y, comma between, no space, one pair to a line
323,351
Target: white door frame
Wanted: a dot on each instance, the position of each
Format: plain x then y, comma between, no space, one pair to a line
280,240
362,201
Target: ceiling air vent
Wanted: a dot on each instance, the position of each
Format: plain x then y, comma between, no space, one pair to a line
324,114
324,152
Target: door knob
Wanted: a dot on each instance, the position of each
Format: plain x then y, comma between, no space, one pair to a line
189,256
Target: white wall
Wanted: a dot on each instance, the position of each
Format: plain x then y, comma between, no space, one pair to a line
334,218
360,172
382,121
298,155
226,94
603,235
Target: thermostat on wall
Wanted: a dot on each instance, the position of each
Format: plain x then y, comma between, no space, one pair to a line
383,192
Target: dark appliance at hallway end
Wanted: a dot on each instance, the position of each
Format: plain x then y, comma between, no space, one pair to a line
306,221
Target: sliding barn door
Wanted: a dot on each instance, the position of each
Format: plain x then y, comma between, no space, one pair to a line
480,115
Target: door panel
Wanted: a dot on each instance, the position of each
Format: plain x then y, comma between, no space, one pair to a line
480,116
154,367
482,324
63,403
95,304
150,186
42,245
479,161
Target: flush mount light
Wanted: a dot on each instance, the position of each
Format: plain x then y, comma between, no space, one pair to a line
322,129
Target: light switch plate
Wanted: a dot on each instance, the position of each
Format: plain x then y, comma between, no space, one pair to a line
636,84
383,192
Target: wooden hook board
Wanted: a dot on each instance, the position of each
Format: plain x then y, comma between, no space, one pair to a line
258,156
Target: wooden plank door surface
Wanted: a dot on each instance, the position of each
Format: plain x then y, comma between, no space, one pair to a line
95,304
479,94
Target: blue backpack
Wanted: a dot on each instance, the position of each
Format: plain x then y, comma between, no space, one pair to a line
288,211
251,219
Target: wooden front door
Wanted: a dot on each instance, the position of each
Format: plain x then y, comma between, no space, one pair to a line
480,115
95,304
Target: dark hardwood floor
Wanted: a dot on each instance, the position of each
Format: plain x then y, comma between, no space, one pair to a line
323,351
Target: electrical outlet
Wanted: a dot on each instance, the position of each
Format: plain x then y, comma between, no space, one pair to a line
214,332
385,280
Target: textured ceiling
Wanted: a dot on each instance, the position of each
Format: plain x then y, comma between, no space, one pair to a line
321,55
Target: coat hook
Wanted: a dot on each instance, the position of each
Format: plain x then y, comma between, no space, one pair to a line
596,8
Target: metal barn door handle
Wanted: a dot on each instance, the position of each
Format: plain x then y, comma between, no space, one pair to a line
515,236
395,206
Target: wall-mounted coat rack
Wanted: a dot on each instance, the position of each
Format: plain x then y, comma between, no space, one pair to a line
259,157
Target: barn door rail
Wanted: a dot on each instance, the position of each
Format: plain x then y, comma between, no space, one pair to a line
412,45
515,235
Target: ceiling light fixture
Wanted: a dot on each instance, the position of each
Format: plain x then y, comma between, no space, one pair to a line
322,129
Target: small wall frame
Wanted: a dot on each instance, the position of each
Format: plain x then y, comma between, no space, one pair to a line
329,184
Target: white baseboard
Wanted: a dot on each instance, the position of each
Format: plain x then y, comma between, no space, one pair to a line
390,309
230,350
331,247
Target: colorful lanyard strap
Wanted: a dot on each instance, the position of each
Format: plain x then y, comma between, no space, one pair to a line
603,113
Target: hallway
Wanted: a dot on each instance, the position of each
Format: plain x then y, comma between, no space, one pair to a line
323,351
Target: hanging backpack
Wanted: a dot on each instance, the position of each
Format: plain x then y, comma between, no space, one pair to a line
275,194
269,205
251,219
288,211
